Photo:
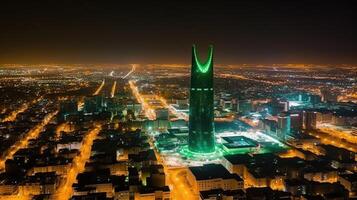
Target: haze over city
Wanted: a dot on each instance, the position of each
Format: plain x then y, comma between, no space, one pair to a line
253,32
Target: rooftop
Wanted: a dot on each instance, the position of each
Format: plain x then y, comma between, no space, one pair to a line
238,158
350,177
212,171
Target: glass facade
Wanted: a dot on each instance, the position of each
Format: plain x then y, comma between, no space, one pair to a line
201,124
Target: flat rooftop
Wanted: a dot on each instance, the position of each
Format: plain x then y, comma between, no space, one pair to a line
239,142
212,171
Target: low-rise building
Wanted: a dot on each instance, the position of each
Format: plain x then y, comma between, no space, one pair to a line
349,181
213,176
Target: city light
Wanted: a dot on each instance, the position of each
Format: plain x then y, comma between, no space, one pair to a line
112,93
65,190
12,116
111,100
33,133
100,87
149,112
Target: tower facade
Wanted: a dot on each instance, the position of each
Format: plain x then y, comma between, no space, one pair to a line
201,122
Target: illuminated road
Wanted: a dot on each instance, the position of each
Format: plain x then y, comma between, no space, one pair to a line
234,76
65,190
179,115
334,141
133,67
240,77
112,93
342,134
313,148
149,112
12,116
99,88
176,179
228,118
64,127
185,116
291,153
33,133
80,103
248,121
181,187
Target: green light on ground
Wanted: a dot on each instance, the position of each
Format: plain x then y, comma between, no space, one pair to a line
217,154
220,151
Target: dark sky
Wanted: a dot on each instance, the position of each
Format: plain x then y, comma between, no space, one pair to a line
100,31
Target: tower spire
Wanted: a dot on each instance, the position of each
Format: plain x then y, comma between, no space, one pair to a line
203,67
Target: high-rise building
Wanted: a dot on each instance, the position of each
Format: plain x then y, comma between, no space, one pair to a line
284,124
311,120
201,124
244,107
162,113
276,106
270,127
328,95
315,99
67,108
297,121
94,104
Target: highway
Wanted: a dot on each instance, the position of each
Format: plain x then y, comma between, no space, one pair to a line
133,67
112,92
179,115
240,77
100,87
185,116
149,112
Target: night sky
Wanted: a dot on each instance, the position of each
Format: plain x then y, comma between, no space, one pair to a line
94,31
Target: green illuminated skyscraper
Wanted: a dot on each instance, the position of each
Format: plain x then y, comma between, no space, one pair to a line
201,124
